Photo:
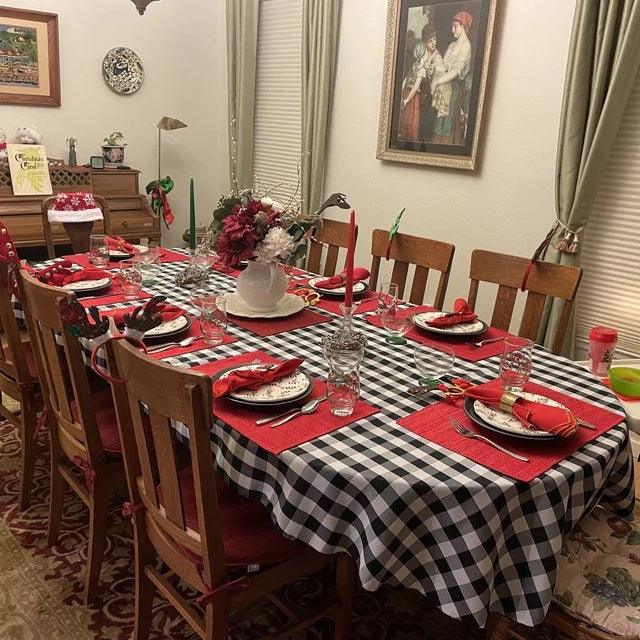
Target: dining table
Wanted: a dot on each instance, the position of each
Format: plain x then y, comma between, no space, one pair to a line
410,511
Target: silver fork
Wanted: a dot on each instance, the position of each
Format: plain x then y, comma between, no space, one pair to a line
463,431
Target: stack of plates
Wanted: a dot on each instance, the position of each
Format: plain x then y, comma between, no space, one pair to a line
88,286
358,288
465,329
292,388
504,423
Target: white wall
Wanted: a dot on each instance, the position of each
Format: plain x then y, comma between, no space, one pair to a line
508,204
182,47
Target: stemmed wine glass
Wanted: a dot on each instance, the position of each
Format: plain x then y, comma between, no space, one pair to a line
433,362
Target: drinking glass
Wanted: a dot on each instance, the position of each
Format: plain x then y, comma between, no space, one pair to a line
516,363
433,362
148,264
213,319
98,251
392,319
130,279
343,380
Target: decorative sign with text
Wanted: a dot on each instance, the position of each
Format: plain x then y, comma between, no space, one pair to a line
29,169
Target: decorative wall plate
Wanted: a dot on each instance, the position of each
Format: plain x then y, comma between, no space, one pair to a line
123,71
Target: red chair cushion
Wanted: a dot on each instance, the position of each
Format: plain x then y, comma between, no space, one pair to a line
105,413
248,534
28,356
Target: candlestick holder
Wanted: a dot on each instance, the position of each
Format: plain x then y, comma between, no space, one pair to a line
346,339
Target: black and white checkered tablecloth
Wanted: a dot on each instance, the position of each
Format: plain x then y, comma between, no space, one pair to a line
411,512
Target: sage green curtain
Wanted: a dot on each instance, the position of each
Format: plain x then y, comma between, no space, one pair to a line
242,44
604,58
319,51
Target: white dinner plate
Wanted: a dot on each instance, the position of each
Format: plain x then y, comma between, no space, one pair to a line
85,286
358,287
503,422
115,253
181,323
287,389
288,306
475,328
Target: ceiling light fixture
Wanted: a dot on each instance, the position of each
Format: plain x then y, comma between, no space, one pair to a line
141,5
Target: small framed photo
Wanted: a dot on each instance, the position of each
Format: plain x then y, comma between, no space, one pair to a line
96,162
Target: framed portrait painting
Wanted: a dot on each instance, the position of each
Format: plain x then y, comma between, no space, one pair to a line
436,65
29,58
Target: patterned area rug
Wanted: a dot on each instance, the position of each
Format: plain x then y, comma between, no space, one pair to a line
40,588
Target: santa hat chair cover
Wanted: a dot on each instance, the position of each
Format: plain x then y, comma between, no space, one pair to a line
74,207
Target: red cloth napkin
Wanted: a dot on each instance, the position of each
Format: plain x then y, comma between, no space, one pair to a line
196,345
337,281
461,314
90,273
254,379
271,326
461,346
54,274
116,243
533,415
295,432
432,423
169,312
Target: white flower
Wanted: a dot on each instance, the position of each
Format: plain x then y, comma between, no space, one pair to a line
277,245
274,204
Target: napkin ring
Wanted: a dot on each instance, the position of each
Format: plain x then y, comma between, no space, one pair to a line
507,401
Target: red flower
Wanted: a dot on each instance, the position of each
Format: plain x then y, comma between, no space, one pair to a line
232,252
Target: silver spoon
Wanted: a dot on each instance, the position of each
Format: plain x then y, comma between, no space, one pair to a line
487,341
183,343
310,407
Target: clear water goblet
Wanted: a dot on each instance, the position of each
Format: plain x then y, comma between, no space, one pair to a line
433,362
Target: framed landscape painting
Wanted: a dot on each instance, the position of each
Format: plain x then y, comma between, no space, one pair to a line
436,65
29,58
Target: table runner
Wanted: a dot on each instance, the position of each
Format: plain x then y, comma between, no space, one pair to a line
432,423
301,429
408,512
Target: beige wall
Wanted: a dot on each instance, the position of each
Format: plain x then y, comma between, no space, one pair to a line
508,204
182,46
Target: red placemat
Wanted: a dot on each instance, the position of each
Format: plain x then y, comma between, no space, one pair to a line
82,260
111,296
366,302
432,423
166,255
462,347
196,345
295,432
271,326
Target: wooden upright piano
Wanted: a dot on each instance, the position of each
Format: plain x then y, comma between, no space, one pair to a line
131,215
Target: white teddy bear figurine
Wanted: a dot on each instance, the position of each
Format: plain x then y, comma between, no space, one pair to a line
3,144
28,135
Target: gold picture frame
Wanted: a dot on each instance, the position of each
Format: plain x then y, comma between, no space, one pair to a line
436,66
29,58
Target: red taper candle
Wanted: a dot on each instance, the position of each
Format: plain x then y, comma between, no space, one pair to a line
351,249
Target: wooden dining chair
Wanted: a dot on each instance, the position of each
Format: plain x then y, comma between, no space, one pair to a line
332,235
82,425
545,280
19,380
406,250
188,519
78,232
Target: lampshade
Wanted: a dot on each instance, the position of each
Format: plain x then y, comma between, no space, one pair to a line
170,124
141,5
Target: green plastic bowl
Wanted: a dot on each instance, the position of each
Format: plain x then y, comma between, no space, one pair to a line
625,380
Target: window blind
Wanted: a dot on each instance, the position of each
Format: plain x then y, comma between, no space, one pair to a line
610,290
278,98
